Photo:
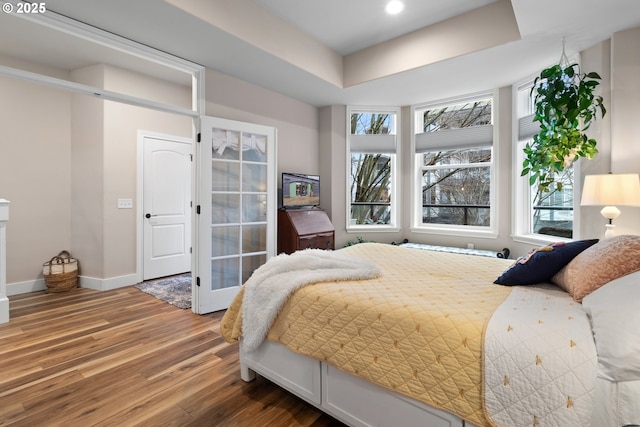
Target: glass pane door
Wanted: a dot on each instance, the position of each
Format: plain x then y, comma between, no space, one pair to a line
236,225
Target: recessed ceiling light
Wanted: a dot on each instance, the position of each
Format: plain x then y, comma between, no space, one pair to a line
394,7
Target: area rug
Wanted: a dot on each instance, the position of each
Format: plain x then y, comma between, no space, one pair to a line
175,290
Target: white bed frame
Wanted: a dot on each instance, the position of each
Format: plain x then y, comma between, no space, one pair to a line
350,399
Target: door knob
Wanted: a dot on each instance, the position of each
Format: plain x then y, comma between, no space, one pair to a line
148,215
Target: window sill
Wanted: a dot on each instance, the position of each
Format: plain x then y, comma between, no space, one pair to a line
462,231
538,239
373,229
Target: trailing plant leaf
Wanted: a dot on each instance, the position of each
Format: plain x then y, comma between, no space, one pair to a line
565,107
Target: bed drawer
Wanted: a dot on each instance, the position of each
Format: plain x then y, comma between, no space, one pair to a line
359,403
294,372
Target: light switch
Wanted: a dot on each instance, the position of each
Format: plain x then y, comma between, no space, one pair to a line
125,203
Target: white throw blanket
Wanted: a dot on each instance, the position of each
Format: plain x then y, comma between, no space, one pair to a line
271,284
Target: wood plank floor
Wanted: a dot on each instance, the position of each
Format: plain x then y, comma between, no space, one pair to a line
124,358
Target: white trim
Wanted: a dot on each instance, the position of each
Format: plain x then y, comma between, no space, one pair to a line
461,231
4,310
95,283
396,160
199,104
538,239
25,287
92,91
417,226
372,228
4,301
109,283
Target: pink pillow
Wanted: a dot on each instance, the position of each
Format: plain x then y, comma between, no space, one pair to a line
598,265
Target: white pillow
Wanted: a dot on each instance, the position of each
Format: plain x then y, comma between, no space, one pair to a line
614,310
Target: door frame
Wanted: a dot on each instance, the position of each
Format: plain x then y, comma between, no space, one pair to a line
142,134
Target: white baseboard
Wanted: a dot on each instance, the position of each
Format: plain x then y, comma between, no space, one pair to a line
108,284
28,286
25,287
4,310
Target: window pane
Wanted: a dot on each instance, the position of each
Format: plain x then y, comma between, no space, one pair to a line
371,124
251,264
225,176
456,196
476,113
366,214
553,211
548,213
370,183
225,208
254,238
225,273
224,241
254,147
226,144
457,157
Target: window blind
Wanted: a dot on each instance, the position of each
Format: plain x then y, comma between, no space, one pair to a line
455,139
372,144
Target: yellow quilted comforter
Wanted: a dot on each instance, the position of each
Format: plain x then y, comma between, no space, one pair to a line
417,329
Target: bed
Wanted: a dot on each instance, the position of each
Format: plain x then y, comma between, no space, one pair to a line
387,335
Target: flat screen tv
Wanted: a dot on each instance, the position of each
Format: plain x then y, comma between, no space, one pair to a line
299,190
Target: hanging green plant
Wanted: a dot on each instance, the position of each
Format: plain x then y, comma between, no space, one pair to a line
565,106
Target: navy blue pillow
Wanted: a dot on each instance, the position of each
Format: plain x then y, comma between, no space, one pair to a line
542,263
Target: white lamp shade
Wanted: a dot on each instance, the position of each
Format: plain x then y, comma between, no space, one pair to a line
611,190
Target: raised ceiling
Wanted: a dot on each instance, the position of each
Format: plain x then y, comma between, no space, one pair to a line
311,50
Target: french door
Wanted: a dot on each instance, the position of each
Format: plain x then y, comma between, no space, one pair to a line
236,211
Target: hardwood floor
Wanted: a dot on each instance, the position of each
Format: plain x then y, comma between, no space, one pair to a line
124,358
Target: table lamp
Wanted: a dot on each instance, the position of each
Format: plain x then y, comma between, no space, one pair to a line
610,190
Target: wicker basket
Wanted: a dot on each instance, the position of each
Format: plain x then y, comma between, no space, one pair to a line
60,273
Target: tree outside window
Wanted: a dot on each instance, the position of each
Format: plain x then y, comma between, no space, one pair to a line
454,148
372,145
548,213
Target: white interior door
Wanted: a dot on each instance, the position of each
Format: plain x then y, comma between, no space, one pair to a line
236,212
166,207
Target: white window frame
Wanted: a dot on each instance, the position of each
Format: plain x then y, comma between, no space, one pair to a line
393,225
417,226
522,207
